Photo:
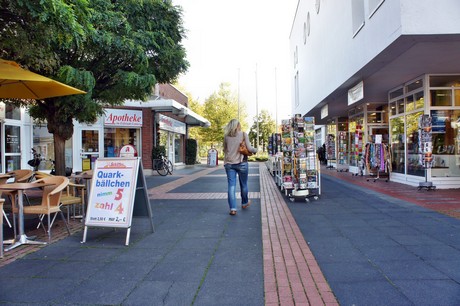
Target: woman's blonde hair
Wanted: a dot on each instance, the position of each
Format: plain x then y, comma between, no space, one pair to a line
231,128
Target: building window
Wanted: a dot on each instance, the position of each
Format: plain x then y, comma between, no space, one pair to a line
115,138
304,33
357,12
414,167
296,82
397,145
12,112
374,5
441,97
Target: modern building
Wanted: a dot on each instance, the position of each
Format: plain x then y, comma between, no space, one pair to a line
163,120
369,69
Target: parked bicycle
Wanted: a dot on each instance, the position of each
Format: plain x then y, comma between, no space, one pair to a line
163,166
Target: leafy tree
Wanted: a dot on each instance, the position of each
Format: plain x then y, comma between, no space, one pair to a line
267,126
219,109
114,50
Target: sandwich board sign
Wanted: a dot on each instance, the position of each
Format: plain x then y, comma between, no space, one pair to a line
118,189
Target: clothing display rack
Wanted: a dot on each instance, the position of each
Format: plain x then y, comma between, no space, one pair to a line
377,159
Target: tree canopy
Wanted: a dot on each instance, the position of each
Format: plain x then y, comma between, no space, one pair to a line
219,109
114,50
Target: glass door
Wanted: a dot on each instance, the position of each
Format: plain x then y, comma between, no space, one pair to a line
89,148
12,147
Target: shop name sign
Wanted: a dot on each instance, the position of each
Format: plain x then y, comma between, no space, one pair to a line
170,124
356,93
123,117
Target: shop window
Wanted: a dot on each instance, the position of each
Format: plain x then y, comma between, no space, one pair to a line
414,167
178,148
418,84
400,106
419,100
355,127
445,81
410,104
115,138
12,147
457,97
396,93
446,142
43,143
397,144
393,109
12,112
441,97
90,140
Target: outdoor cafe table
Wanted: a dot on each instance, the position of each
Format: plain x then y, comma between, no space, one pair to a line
20,187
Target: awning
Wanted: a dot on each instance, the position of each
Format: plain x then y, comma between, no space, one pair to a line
169,105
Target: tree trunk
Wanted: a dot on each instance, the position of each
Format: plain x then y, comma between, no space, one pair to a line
59,154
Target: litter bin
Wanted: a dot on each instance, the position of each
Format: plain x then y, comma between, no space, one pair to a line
213,157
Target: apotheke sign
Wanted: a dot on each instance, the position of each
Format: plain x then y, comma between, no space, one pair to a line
123,117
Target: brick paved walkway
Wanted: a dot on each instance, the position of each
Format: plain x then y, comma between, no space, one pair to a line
445,201
291,273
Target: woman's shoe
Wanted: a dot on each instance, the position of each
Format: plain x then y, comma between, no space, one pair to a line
246,205
232,212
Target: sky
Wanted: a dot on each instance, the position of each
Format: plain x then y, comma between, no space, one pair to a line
244,43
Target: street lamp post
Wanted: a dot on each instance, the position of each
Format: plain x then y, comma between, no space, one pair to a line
257,112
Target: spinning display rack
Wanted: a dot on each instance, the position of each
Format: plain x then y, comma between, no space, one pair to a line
299,174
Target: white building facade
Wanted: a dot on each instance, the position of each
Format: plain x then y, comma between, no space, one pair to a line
369,69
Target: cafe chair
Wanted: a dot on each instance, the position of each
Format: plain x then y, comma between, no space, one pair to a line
3,180
22,175
39,175
51,201
72,196
1,229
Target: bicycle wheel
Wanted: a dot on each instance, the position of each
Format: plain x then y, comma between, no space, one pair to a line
170,166
162,168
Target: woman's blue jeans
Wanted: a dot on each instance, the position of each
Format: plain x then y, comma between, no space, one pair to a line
232,169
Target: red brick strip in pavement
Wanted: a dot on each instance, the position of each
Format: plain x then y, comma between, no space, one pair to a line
291,274
445,201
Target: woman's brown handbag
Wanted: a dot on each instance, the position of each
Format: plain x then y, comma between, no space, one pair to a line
243,149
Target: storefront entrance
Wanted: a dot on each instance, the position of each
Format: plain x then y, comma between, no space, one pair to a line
89,147
172,138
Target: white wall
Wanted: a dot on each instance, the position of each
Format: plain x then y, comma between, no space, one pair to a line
430,17
331,55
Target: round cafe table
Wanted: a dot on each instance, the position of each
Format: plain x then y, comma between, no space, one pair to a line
21,238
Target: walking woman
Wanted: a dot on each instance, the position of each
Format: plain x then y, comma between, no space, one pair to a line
234,163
